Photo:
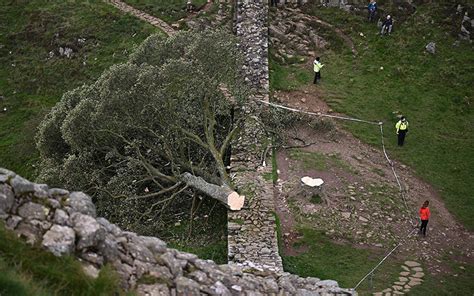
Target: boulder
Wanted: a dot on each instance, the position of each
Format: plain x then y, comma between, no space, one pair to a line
59,240
88,230
82,203
33,210
156,245
21,186
6,198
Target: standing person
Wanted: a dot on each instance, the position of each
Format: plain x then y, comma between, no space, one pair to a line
402,130
387,26
317,70
372,9
274,2
424,216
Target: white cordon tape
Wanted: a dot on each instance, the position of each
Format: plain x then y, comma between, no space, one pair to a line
390,162
384,258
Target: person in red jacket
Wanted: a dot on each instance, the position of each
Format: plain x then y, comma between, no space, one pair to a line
424,216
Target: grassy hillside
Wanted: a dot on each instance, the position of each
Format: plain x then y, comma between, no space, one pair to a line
26,270
31,81
395,75
168,10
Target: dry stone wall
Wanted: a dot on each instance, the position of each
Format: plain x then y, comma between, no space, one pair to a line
65,223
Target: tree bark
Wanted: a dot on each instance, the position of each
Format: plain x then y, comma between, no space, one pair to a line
231,199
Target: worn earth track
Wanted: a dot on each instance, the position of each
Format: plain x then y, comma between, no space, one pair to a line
162,25
364,170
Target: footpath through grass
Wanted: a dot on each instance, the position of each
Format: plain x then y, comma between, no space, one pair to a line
395,75
31,81
26,270
167,10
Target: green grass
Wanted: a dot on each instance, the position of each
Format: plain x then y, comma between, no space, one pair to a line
457,282
314,161
288,77
316,199
438,104
31,83
434,92
167,10
26,270
344,263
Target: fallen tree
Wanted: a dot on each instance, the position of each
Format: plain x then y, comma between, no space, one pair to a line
150,130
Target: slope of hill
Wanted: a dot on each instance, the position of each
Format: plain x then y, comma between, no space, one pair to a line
47,48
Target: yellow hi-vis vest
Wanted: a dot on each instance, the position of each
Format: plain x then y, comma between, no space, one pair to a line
401,126
317,66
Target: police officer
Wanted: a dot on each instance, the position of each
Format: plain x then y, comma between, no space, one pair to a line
402,130
317,70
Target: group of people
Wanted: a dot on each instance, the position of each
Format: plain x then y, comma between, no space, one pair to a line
402,125
386,24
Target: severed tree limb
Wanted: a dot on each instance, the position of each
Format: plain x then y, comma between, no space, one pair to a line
223,193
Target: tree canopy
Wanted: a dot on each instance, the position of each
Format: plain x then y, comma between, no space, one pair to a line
151,130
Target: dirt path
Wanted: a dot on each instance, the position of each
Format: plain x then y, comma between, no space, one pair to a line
361,198
162,25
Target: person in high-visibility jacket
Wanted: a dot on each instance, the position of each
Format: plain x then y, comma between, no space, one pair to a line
424,217
317,70
402,130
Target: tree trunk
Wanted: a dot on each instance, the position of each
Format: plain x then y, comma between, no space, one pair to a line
231,199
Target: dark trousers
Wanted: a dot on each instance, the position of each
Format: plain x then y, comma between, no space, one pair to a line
401,137
317,76
273,2
371,16
424,224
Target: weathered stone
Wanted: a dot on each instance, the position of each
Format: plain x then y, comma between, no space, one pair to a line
82,203
327,283
418,275
412,263
61,217
28,231
59,240
198,276
431,47
93,258
88,230
173,264
90,270
220,289
41,191
109,248
6,198
153,290
21,186
6,172
53,203
13,221
402,279
156,245
185,286
140,252
111,228
33,210
58,192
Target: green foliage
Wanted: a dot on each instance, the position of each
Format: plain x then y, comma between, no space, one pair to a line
134,132
31,82
26,270
167,10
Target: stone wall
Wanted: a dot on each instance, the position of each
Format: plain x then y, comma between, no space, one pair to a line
65,223
251,26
